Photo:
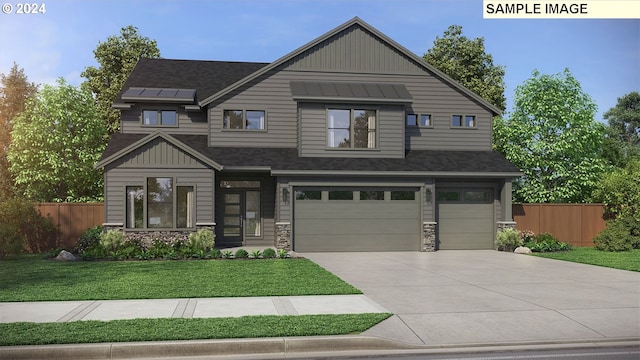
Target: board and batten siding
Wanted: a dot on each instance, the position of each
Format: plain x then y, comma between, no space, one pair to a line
117,179
159,153
189,122
354,50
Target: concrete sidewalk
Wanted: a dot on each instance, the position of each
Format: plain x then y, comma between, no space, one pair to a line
105,310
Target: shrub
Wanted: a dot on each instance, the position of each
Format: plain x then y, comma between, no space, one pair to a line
11,241
546,242
38,232
615,237
227,254
112,240
269,253
527,236
256,254
88,239
214,254
160,250
283,253
201,240
241,254
508,240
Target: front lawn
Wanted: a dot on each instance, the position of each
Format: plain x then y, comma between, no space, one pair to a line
31,278
624,260
185,329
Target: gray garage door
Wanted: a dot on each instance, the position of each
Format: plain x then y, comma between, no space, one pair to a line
465,219
362,219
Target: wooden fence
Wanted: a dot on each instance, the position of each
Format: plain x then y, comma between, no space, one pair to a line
576,224
72,219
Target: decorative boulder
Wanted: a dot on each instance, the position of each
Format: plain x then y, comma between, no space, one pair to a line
65,256
522,250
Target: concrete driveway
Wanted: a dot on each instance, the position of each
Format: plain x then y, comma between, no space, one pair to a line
450,298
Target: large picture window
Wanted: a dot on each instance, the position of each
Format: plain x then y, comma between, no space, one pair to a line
351,128
161,205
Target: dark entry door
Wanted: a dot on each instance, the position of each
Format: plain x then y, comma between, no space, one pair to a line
241,215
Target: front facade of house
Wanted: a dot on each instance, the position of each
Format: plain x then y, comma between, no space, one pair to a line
349,143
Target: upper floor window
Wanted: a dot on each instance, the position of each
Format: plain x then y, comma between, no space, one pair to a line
351,128
463,121
243,119
160,117
423,120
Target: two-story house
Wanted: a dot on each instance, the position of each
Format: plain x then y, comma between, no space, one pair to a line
348,143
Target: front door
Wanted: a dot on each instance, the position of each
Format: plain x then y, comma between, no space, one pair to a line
241,216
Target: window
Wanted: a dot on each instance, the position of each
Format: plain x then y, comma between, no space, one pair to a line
134,210
340,195
403,195
448,196
160,117
309,195
243,120
163,206
160,202
423,120
468,121
412,119
351,128
476,195
251,184
372,195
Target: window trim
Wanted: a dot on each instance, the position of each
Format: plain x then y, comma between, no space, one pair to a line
244,118
463,121
351,110
175,185
159,112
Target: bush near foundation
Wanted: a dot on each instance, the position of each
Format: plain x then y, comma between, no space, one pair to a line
38,232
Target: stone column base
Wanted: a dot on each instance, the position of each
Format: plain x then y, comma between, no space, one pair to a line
428,236
506,225
283,235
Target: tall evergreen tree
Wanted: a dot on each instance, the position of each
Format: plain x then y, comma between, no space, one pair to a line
15,90
117,57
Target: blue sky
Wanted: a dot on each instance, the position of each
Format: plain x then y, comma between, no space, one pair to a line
604,55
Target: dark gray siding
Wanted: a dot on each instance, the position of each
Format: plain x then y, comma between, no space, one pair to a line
189,122
159,153
389,133
354,50
430,95
116,180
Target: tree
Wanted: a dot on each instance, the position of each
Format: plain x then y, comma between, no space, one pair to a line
14,91
552,137
623,133
466,61
117,58
56,141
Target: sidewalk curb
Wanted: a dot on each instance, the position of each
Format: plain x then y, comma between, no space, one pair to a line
274,346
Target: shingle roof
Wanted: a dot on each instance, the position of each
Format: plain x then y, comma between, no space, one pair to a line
287,159
207,77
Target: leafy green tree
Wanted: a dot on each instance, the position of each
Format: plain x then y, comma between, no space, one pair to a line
619,191
56,141
117,57
15,89
623,133
466,61
552,137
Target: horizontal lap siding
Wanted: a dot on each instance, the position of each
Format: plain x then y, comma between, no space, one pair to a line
189,122
117,179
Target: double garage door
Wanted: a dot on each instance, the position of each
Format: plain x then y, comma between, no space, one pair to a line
357,219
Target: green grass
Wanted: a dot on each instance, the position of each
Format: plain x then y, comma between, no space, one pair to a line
184,329
31,278
625,260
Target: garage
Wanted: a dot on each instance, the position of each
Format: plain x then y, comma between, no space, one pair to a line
465,218
356,219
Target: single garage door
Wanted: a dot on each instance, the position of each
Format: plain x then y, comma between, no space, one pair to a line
465,219
361,219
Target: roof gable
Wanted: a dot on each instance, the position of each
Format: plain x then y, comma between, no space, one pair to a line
132,149
357,27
